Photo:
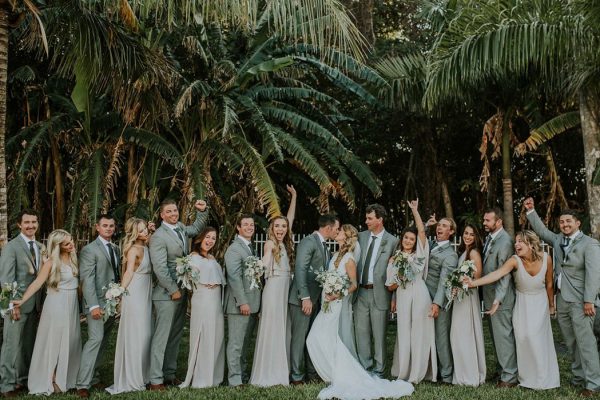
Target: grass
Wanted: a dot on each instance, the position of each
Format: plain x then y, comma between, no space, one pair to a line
310,391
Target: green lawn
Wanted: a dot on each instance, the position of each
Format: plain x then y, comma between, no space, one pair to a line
310,391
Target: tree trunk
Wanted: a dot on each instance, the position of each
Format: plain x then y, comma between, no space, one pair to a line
446,198
3,78
589,107
131,175
507,189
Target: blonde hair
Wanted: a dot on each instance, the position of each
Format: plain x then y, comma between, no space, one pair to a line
55,239
533,241
132,232
349,243
287,240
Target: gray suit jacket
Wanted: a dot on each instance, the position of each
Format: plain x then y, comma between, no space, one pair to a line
238,290
386,249
310,254
500,250
442,261
165,247
95,272
16,265
580,267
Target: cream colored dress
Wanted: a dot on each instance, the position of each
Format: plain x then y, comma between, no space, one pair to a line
206,360
415,357
58,340
536,356
466,339
271,354
132,354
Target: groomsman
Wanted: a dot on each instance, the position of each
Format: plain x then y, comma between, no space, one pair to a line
442,261
242,303
20,262
577,275
499,298
169,242
312,255
372,301
99,265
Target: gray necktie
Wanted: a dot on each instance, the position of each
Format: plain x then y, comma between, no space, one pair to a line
488,240
367,263
180,235
33,255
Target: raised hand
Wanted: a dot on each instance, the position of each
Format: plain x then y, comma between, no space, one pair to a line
414,205
291,189
201,205
528,204
431,221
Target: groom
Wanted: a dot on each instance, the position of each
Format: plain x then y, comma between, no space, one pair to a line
373,300
577,278
305,293
169,242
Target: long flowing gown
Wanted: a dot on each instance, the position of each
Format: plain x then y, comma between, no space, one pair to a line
271,354
335,363
58,340
206,361
415,357
132,354
466,339
536,356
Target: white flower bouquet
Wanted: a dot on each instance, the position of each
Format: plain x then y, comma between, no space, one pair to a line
9,292
113,295
254,270
333,284
456,290
403,264
187,276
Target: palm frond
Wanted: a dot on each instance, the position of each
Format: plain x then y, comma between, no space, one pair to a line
545,132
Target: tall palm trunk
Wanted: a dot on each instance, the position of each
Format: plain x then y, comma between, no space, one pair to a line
3,78
589,107
507,189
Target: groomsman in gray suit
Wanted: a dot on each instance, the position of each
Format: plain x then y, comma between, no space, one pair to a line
169,242
242,303
99,265
577,275
312,256
21,260
499,298
442,261
373,301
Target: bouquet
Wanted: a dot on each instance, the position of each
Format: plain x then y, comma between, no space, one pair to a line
254,269
9,292
186,275
333,284
455,288
114,294
402,262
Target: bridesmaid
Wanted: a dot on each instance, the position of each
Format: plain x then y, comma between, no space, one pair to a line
57,350
271,354
534,303
414,356
132,354
206,360
466,332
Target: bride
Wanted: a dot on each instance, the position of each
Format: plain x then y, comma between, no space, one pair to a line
330,342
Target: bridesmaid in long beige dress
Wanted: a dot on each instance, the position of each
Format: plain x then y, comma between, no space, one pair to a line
57,350
534,303
415,357
466,332
206,360
135,327
271,354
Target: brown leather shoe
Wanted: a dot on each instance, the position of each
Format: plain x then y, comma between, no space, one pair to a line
587,393
11,393
20,388
502,384
83,393
296,383
159,387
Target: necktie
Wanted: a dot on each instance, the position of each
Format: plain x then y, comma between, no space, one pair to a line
488,240
113,262
251,247
367,263
565,246
327,253
33,255
434,245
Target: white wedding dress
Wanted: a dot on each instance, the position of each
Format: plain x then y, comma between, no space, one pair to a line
334,362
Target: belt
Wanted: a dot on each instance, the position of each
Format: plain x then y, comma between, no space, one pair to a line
369,286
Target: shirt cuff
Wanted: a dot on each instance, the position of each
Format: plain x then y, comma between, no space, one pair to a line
93,308
530,211
305,298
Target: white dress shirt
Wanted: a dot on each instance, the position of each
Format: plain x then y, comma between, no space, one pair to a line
35,248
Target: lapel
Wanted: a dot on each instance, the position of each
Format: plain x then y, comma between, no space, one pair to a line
171,233
440,249
244,245
575,242
27,253
382,245
103,250
321,248
363,240
491,246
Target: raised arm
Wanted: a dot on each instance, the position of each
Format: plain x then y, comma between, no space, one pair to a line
414,206
537,224
492,277
292,209
200,221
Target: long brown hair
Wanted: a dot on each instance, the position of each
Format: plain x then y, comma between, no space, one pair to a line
287,241
197,243
477,244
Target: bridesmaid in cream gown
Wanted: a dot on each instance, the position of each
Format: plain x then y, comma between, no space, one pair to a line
466,332
534,303
206,360
57,350
271,354
415,356
133,340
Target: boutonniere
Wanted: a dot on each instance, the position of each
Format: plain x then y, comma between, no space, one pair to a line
383,243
